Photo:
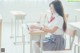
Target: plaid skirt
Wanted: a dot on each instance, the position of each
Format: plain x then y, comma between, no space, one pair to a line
53,43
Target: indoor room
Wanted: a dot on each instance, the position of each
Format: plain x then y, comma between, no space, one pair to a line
33,26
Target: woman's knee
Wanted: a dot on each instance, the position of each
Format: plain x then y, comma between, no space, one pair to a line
36,44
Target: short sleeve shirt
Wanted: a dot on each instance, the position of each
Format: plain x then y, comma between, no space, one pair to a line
58,21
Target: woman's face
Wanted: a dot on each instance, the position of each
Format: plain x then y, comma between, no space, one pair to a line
52,9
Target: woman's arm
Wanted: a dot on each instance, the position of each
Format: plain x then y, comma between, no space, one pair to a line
35,27
46,29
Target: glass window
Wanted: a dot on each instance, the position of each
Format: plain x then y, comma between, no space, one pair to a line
26,0
73,0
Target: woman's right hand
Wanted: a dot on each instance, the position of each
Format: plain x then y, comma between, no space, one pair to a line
33,26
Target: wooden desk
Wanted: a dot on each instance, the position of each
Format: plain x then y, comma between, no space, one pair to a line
18,13
76,26
19,17
77,10
0,31
77,14
36,32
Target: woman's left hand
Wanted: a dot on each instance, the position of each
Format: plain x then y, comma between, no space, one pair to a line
33,26
45,29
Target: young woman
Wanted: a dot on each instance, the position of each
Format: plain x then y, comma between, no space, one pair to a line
56,27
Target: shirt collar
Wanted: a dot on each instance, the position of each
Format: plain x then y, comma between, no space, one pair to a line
55,15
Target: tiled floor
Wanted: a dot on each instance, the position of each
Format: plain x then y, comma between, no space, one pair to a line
8,41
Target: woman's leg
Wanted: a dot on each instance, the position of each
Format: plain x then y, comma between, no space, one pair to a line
36,48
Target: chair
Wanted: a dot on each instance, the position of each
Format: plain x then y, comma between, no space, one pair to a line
71,33
77,45
66,17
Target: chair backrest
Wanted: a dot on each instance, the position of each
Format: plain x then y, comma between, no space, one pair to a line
66,17
71,33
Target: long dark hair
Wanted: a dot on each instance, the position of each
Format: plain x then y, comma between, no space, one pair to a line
59,9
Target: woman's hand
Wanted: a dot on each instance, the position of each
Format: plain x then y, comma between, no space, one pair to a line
46,29
45,26
50,30
33,26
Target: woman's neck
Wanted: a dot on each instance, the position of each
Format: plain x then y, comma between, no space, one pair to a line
54,14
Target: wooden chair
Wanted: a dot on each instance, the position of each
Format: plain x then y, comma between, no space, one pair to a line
66,17
71,33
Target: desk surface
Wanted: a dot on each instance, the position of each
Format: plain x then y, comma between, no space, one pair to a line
18,13
40,32
75,24
77,10
0,17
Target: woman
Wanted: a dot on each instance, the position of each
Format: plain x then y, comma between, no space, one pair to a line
56,27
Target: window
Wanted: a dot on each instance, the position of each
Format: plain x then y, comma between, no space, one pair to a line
73,0
25,0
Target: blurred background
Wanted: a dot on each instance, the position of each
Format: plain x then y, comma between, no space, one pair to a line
33,10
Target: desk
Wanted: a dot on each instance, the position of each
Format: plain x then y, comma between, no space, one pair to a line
76,26
0,31
77,10
19,17
36,32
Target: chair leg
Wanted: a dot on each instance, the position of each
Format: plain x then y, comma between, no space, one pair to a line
75,49
78,49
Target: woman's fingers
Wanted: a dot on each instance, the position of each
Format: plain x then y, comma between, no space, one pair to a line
32,26
45,26
45,29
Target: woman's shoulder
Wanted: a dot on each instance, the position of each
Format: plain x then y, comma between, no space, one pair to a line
57,16
60,19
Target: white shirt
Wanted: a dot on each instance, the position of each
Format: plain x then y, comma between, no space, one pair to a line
58,21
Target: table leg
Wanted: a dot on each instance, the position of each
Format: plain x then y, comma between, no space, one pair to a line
78,49
41,44
11,27
15,31
31,44
23,39
75,48
78,44
0,33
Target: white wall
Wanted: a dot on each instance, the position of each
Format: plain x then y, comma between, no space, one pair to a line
33,9
70,7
